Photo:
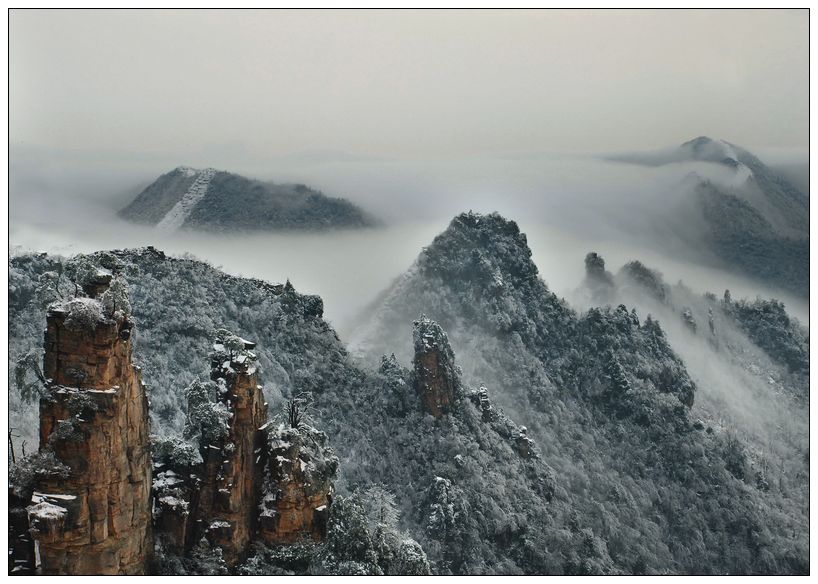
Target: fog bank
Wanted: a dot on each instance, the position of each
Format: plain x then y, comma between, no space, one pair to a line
567,206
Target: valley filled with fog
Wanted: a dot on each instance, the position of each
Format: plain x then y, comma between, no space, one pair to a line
567,205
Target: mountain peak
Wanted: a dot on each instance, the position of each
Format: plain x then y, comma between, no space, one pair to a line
708,149
186,170
698,142
211,200
481,248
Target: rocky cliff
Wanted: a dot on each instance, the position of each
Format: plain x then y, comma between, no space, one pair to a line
297,485
217,497
436,379
95,420
249,481
231,478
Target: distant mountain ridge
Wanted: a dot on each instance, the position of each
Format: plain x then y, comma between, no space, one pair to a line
785,206
756,222
213,200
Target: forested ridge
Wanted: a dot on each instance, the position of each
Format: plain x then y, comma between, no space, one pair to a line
619,474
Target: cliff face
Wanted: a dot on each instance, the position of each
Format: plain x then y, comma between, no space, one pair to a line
231,478
436,378
297,490
251,482
217,498
98,520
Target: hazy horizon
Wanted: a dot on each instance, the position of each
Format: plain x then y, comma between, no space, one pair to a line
415,116
228,85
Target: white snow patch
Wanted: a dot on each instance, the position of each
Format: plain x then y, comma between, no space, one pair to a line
176,217
46,511
174,502
38,497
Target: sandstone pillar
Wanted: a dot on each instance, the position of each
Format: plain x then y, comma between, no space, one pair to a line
98,520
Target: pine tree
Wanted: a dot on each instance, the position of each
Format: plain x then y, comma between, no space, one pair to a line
618,383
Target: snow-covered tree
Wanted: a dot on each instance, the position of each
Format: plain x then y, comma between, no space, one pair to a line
618,382
82,313
51,287
81,270
409,560
115,299
348,548
28,375
208,420
381,509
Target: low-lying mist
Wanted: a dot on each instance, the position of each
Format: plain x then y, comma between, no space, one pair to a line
567,206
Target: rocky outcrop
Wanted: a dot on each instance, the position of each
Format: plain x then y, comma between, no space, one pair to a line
297,491
217,498
176,484
251,482
598,280
97,520
437,380
231,478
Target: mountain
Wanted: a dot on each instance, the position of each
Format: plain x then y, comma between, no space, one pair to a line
606,390
507,434
213,200
749,358
464,483
783,205
756,222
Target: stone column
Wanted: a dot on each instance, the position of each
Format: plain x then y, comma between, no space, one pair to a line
98,520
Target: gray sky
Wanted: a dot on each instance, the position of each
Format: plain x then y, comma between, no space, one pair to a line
405,84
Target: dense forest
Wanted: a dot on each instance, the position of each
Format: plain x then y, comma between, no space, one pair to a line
576,442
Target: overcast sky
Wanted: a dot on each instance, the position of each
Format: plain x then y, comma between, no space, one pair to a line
406,84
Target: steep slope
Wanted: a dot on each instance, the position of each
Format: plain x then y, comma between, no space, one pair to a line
742,237
463,485
785,206
751,220
749,359
606,395
221,201
155,202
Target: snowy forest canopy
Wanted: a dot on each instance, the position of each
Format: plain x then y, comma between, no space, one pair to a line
636,463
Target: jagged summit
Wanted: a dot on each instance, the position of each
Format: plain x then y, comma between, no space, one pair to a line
480,249
721,152
215,200
437,378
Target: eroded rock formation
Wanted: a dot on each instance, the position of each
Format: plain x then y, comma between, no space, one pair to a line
297,491
97,520
437,380
252,482
231,478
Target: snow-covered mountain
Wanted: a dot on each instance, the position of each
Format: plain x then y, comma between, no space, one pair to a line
754,221
214,200
624,454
